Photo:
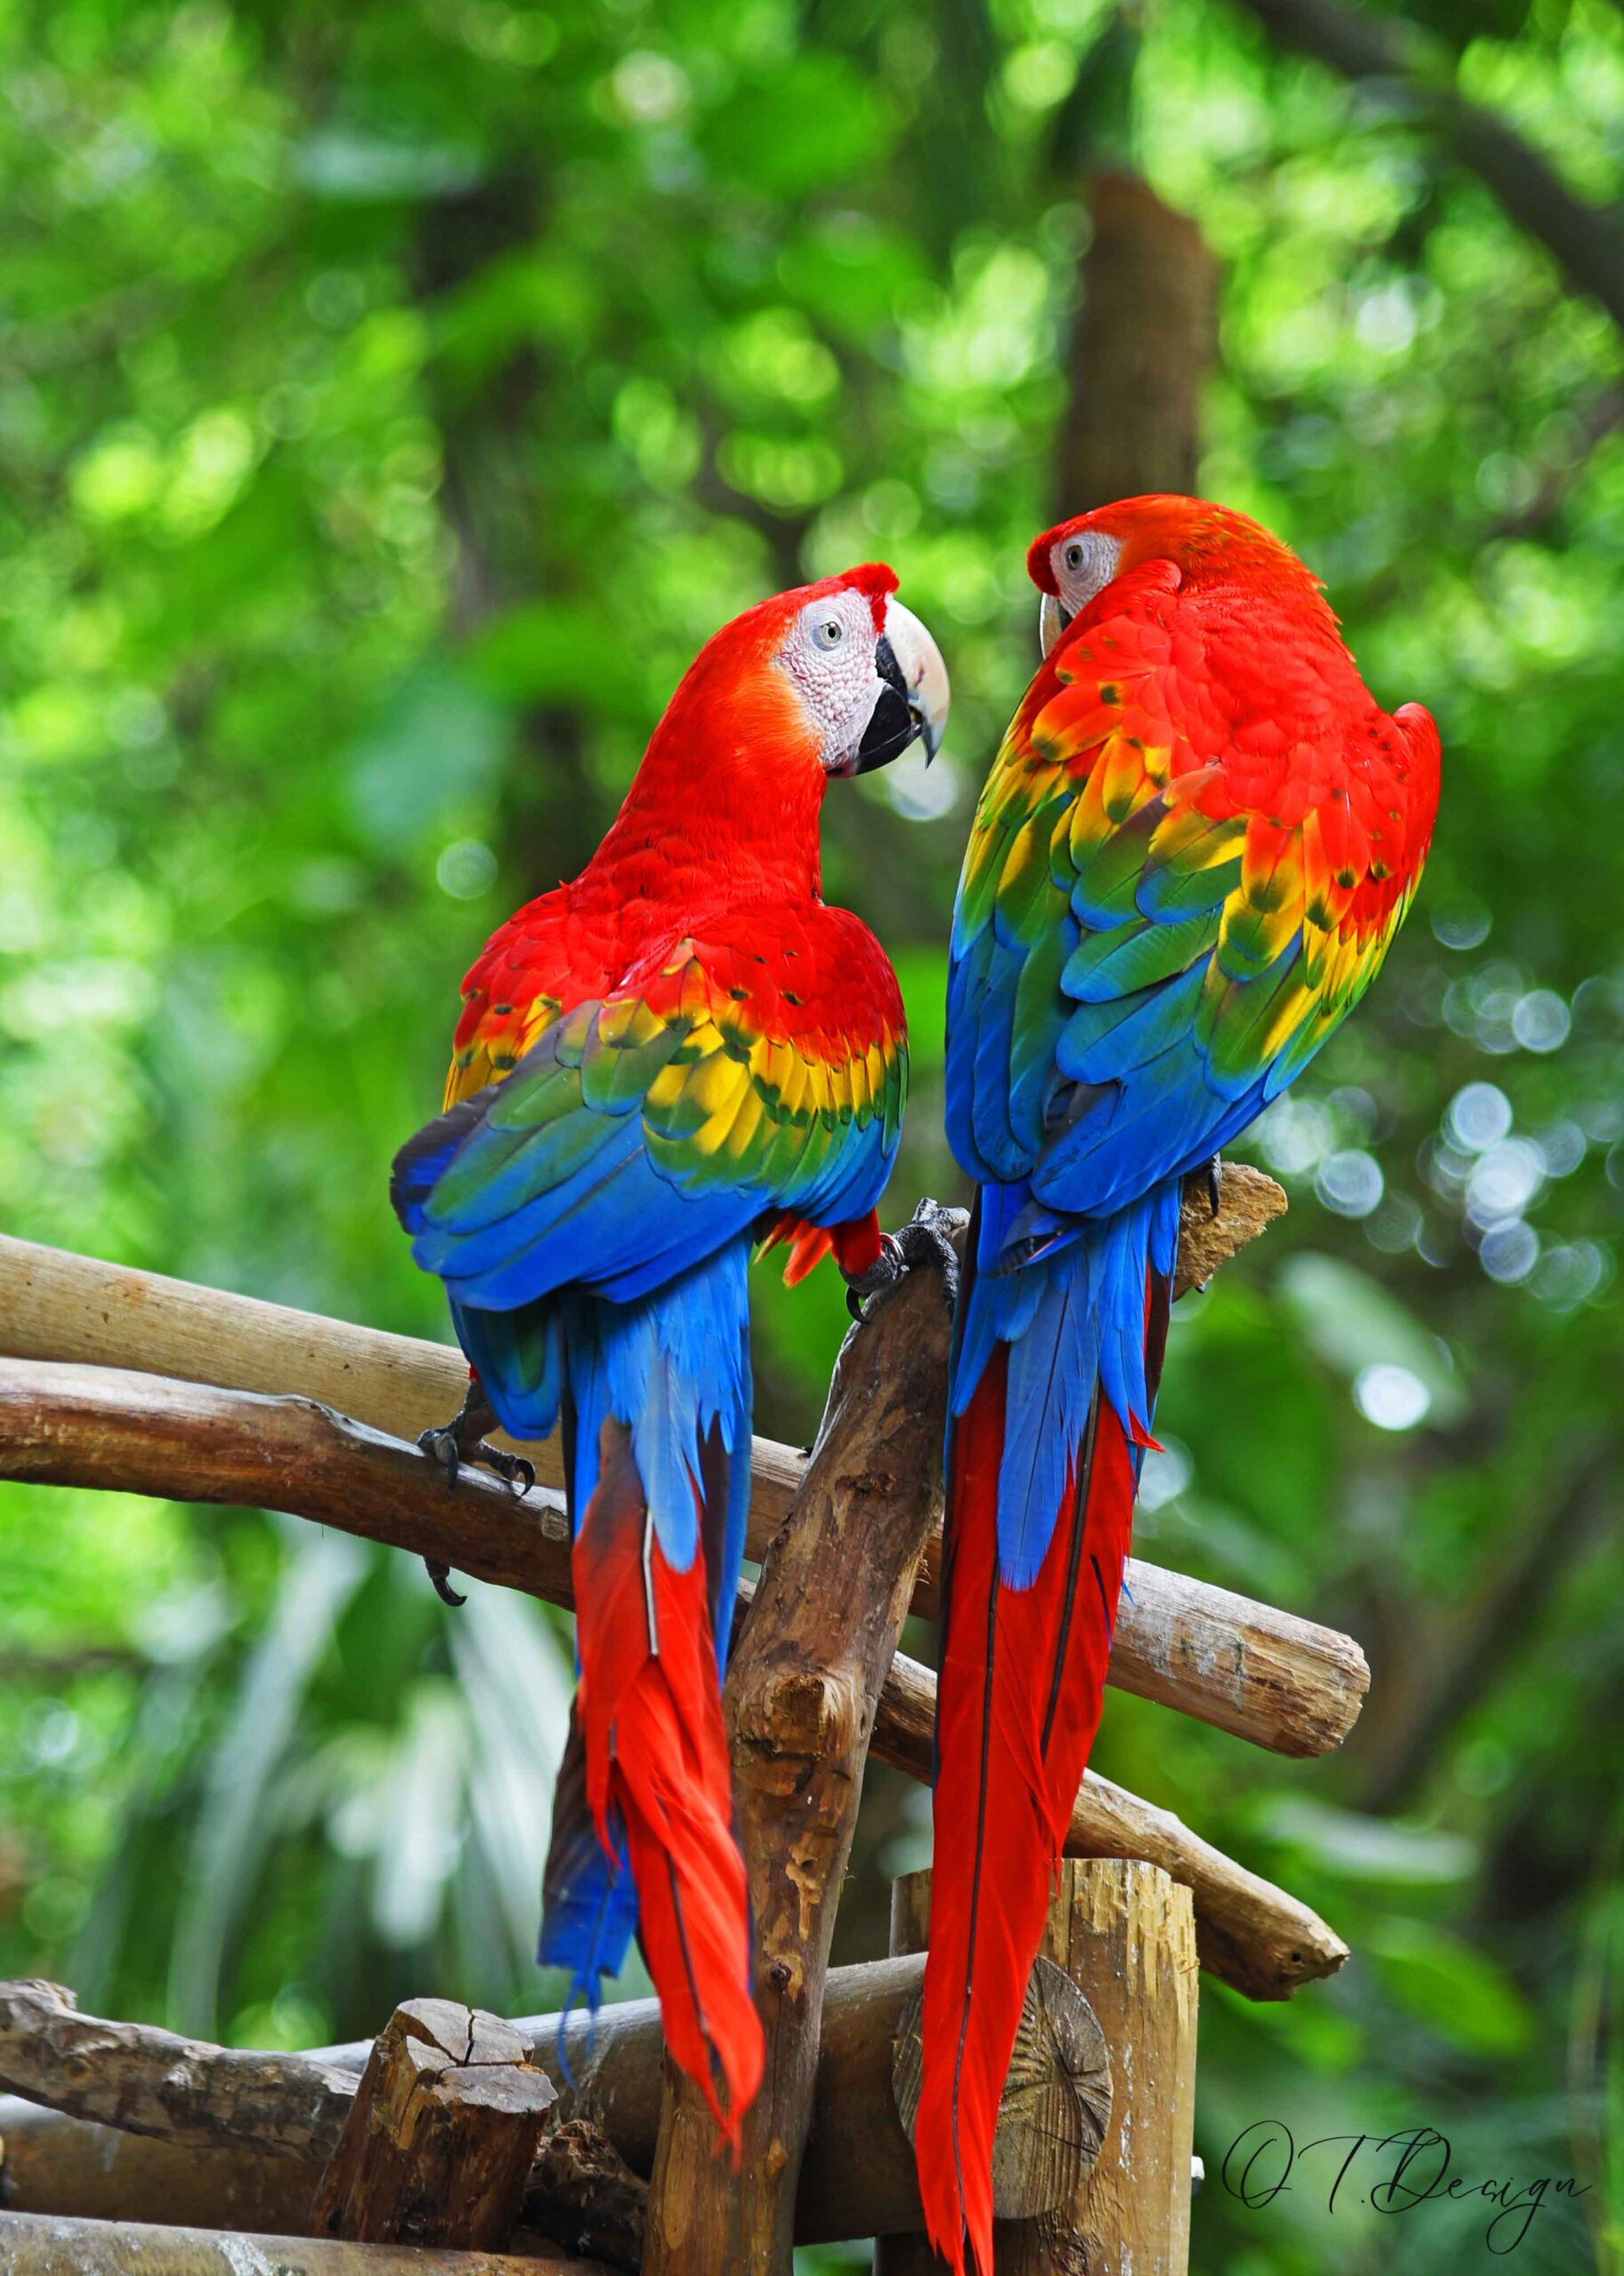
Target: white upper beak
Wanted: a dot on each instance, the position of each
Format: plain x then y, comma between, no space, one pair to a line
919,660
1052,622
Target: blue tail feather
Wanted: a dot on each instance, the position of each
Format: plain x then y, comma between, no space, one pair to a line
1070,1318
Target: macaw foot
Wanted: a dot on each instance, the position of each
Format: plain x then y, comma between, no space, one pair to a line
927,1239
461,1440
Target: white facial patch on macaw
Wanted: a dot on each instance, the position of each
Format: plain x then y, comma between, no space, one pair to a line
1083,564
829,655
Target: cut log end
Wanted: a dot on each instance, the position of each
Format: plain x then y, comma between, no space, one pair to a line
1056,2102
439,2145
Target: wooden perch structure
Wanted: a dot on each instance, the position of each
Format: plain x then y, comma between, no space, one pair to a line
204,2152
464,2131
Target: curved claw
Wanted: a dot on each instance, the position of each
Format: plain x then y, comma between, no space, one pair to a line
883,1273
519,1473
440,1575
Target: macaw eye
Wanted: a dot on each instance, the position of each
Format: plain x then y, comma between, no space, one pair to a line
829,633
1073,555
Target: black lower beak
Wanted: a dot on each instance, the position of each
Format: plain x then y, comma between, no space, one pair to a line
895,721
887,734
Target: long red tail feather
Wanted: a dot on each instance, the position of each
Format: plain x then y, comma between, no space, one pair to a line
1023,1672
657,1765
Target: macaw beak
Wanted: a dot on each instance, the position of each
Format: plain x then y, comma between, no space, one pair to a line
1053,618
913,702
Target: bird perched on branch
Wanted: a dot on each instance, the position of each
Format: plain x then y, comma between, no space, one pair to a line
680,1052
1197,840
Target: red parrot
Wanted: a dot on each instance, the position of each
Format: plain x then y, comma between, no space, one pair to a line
680,1050
1197,842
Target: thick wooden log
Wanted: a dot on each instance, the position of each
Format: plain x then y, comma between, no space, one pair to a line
857,2178
1123,1934
148,2081
441,2135
146,1434
38,2244
799,1701
1265,1676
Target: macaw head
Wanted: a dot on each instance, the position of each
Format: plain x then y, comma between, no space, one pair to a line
834,678
1072,563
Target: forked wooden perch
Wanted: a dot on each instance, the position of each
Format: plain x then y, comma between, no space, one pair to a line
812,1683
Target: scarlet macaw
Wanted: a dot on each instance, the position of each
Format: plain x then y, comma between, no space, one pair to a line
1195,844
680,1050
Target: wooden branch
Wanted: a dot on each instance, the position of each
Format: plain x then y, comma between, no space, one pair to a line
37,2244
799,1701
441,2133
50,2163
66,1425
1587,239
147,2081
144,1434
857,2178
1263,1675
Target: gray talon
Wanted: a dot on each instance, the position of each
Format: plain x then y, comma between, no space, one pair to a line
927,1239
462,1439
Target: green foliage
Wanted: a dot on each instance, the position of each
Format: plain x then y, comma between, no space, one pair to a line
390,401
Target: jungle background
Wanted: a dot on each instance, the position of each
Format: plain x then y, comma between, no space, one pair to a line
392,397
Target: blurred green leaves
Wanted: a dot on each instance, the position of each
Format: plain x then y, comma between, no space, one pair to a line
435,751
1354,1325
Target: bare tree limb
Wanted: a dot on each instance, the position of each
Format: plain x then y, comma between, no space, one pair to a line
1586,240
147,2081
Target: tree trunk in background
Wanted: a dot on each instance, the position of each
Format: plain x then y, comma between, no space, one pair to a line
1145,338
552,814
